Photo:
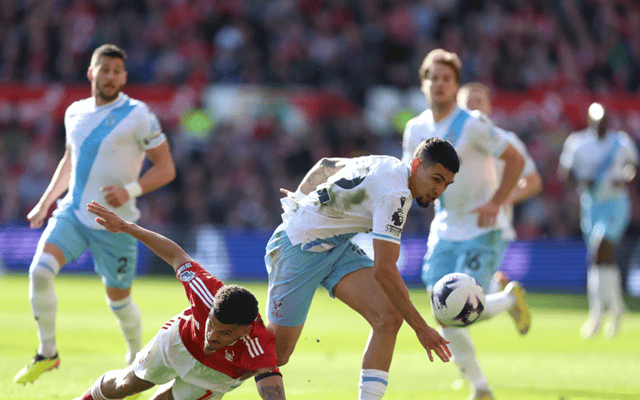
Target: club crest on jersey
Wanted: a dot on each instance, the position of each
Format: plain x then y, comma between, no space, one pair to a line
277,311
229,354
186,276
111,120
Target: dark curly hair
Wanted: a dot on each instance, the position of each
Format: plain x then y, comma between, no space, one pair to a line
234,304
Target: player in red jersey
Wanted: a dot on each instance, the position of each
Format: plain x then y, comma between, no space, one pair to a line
205,351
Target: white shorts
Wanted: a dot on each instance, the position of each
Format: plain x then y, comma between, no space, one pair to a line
165,359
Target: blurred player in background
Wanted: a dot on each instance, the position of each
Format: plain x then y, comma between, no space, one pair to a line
477,96
204,352
338,198
465,234
601,162
107,138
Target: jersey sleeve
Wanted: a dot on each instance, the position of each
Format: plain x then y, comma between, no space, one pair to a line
199,286
410,141
630,149
389,215
568,150
149,133
485,135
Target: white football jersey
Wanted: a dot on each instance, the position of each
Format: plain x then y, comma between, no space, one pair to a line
477,142
108,145
602,161
508,231
369,194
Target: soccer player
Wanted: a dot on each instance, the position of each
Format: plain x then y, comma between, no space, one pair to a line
338,198
601,162
107,135
477,96
204,352
465,234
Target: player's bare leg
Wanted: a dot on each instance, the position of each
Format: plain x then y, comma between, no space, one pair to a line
360,291
163,392
116,384
286,339
44,304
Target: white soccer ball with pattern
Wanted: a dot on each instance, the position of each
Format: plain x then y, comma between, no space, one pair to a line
457,300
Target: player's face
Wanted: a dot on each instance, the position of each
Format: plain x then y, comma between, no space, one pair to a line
107,78
427,184
217,334
440,85
478,100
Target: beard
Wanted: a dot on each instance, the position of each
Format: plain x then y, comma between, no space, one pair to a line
423,204
106,97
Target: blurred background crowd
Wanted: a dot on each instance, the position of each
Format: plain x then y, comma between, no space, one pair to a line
350,58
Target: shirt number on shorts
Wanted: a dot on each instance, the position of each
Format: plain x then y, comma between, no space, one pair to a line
472,261
122,267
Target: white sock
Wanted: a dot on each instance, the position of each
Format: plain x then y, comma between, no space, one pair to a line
130,324
496,303
464,355
594,293
44,303
96,390
373,384
612,288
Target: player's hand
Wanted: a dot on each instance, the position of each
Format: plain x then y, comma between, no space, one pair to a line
289,193
37,215
106,217
115,196
487,214
431,340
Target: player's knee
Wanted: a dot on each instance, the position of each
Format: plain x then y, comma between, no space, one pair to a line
389,321
43,269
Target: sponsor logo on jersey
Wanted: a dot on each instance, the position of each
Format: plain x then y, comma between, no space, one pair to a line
186,276
111,120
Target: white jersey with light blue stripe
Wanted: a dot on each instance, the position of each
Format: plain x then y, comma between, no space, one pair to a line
369,194
600,160
508,231
478,143
108,145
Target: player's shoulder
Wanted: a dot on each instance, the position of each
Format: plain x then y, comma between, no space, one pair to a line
477,119
81,106
419,120
139,106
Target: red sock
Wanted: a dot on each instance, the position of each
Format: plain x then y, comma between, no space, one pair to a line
86,395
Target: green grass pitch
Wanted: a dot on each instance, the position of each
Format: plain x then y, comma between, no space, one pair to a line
551,363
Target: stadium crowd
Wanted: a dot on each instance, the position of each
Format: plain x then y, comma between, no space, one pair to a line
229,175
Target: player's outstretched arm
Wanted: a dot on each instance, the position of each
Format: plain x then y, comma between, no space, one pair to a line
59,183
320,173
164,247
386,273
270,385
527,187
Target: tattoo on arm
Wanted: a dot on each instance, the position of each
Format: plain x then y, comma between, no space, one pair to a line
275,392
320,173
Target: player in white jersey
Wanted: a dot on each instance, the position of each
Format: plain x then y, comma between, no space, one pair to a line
601,162
337,199
465,234
107,136
477,96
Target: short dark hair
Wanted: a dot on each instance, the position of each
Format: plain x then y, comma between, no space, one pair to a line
436,150
441,56
234,304
108,50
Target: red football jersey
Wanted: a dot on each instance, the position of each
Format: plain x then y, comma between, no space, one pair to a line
249,354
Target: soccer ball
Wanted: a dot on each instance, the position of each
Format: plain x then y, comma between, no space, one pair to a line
457,300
